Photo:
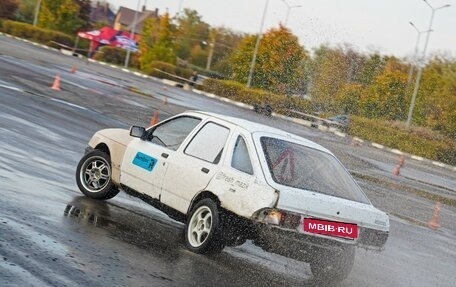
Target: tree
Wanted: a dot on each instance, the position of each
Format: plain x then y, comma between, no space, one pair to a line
198,56
279,62
85,8
148,38
348,98
164,47
26,11
386,96
8,8
191,31
60,15
371,67
157,44
436,100
330,70
225,42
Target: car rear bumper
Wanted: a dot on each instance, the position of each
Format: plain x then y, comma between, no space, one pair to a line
297,245
305,247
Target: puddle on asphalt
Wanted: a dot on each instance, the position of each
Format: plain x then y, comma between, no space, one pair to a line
128,225
163,240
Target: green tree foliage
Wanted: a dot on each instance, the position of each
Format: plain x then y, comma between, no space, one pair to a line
60,15
26,11
164,47
148,38
85,7
436,99
191,32
156,44
377,88
198,56
386,96
225,42
8,9
36,34
330,70
369,68
279,61
341,80
348,98
239,60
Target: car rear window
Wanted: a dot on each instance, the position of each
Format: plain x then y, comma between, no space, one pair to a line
302,167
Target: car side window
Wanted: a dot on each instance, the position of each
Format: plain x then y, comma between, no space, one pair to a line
208,143
241,159
172,133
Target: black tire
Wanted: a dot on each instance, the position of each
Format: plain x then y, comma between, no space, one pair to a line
203,232
332,268
93,176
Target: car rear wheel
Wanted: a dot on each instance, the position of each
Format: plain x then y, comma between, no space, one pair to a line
333,267
203,232
93,176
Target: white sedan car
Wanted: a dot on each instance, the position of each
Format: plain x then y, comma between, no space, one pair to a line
231,180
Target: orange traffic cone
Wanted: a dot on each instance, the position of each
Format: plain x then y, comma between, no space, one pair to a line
56,84
434,223
154,119
73,69
400,163
396,170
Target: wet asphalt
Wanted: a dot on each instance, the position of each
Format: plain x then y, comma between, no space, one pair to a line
50,235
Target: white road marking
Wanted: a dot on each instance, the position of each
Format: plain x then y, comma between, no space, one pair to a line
417,157
11,88
377,145
69,104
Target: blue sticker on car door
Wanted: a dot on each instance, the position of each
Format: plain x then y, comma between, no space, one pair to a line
144,161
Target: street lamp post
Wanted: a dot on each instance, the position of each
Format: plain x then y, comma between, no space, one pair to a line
132,34
257,44
415,54
289,7
210,55
179,9
420,66
211,50
37,12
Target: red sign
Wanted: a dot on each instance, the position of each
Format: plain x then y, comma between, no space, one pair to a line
109,36
332,228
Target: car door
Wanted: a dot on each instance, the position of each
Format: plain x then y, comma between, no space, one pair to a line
190,171
239,185
146,160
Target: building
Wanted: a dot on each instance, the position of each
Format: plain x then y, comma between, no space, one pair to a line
102,13
125,17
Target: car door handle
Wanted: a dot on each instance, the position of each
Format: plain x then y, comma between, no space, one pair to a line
165,155
205,170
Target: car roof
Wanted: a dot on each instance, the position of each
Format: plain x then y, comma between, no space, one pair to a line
253,127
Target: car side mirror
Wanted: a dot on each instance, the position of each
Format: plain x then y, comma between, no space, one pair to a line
137,132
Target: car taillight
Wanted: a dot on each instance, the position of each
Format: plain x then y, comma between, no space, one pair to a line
281,218
273,217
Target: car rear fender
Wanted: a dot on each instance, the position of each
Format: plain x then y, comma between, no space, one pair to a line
242,197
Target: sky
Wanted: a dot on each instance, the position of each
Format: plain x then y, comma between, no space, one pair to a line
366,25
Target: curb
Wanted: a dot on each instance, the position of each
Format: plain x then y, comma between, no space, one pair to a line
298,121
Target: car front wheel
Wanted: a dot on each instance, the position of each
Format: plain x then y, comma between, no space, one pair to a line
93,176
203,232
